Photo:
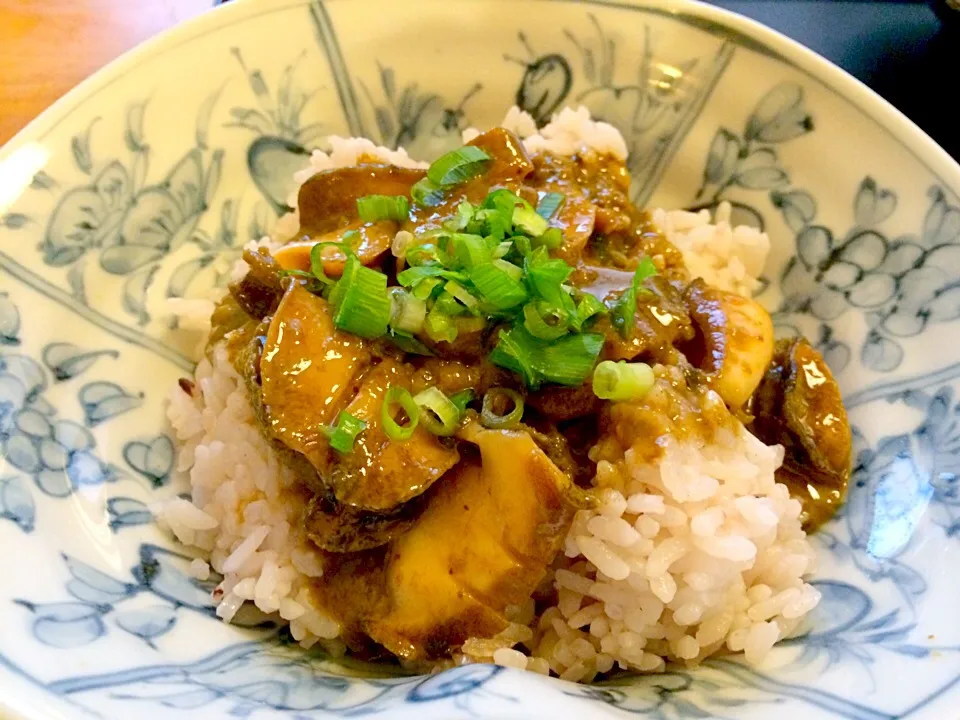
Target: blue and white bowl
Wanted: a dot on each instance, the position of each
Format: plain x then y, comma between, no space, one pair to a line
144,183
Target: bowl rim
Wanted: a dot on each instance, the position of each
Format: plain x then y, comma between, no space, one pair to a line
709,18
28,702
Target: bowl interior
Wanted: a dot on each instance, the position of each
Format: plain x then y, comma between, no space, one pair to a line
144,184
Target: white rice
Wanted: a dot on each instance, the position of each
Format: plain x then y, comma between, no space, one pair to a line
696,553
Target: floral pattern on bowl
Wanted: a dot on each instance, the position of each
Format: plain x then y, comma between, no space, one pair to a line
143,185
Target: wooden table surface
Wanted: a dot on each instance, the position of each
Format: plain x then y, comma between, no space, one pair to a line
48,46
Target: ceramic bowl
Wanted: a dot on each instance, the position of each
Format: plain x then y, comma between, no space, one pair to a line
144,183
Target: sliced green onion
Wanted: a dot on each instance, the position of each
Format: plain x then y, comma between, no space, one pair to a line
317,259
407,313
645,269
448,305
497,287
569,360
546,275
497,212
360,297
460,221
402,397
502,249
470,250
463,295
344,433
424,289
294,272
462,399
549,204
624,311
373,208
426,193
527,220
523,244
588,307
516,351
458,166
422,254
552,238
440,327
401,243
543,321
414,275
492,416
509,268
622,380
439,414
409,344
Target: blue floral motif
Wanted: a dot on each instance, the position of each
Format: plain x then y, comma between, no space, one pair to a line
750,160
127,512
152,458
283,139
9,321
901,284
66,361
16,503
98,597
653,109
128,225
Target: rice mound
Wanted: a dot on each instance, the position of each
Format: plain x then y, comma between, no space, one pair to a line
691,551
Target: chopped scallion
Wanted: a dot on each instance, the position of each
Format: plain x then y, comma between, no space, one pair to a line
407,313
469,250
567,361
426,193
409,344
516,351
440,327
462,399
552,238
439,414
458,166
317,259
374,208
394,430
463,296
448,305
549,204
527,220
414,275
622,380
360,298
502,408
498,288
424,289
543,321
624,311
587,308
509,268
344,433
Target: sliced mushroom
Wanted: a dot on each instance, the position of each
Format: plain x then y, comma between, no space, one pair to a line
736,341
799,405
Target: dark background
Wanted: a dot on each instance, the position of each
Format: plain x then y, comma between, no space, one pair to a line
900,49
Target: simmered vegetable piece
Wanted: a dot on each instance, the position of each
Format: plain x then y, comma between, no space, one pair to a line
380,474
737,340
308,371
328,200
483,543
798,405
